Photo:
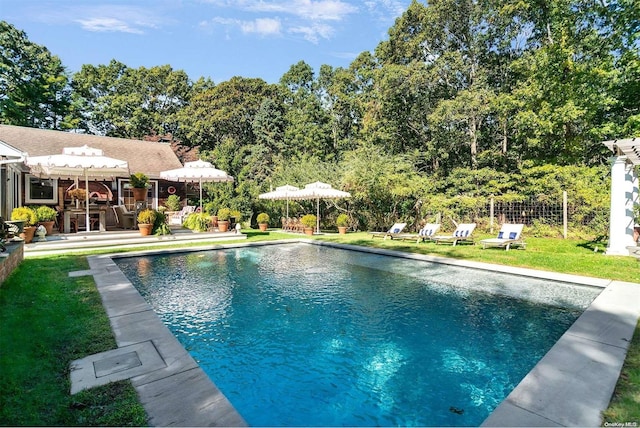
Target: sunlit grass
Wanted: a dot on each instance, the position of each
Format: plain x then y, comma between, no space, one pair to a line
47,320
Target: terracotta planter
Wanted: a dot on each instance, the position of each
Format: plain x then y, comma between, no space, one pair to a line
342,230
308,231
145,229
223,225
48,226
28,234
636,233
263,227
139,194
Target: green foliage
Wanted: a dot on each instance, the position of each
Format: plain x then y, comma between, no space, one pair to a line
127,102
224,214
147,216
309,220
342,220
173,203
46,213
160,226
139,180
199,222
262,218
25,214
33,83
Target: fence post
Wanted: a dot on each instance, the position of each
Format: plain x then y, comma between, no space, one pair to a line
491,212
564,213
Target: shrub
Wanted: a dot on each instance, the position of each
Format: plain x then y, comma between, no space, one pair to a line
198,222
173,203
160,226
147,216
224,214
342,220
25,214
45,213
308,220
262,218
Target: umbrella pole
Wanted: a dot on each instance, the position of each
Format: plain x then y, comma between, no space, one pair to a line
201,195
87,228
317,215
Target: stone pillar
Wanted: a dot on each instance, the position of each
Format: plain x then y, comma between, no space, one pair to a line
622,199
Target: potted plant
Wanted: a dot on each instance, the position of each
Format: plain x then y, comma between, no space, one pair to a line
29,219
173,203
263,221
223,219
309,222
139,183
146,218
46,217
342,222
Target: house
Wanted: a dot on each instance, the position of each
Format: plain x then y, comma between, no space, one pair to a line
19,187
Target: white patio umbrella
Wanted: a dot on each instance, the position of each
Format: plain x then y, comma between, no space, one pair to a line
317,191
280,194
75,162
197,171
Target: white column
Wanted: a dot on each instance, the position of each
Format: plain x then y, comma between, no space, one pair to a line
621,218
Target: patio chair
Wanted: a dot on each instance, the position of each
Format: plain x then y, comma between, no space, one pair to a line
178,217
509,236
394,231
425,234
462,234
124,217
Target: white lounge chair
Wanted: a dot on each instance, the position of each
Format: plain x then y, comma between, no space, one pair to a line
394,231
425,234
462,234
509,236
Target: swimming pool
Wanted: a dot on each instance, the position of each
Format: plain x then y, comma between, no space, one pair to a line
307,335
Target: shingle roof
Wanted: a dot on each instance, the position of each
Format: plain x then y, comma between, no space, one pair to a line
143,156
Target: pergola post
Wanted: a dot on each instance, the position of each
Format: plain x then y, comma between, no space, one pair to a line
624,193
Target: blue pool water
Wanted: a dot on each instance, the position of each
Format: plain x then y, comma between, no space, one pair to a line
304,335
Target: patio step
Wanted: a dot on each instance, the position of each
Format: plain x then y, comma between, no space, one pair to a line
74,242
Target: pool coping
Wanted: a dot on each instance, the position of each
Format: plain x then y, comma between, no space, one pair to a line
569,386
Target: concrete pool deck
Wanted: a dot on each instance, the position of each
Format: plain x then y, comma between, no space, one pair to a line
570,385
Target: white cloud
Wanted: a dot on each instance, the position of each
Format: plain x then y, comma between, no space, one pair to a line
386,9
321,10
107,24
122,19
262,26
314,32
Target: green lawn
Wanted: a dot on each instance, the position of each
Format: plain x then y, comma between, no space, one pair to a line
48,319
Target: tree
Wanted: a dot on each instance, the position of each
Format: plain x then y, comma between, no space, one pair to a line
33,84
119,101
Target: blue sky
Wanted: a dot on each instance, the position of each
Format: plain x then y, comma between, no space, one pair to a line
206,38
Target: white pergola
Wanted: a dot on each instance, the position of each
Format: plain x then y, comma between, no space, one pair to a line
624,194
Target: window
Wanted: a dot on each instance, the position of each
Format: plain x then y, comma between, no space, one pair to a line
41,190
